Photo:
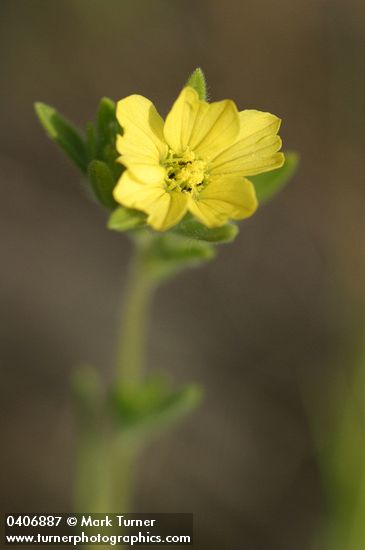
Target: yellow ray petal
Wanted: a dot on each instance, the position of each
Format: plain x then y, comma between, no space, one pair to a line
256,149
142,141
229,197
164,209
205,128
257,124
168,210
131,193
147,173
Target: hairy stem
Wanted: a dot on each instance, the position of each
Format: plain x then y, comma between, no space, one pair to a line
106,461
130,359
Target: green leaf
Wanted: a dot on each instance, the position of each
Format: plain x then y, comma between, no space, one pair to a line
124,219
62,132
269,184
90,140
106,124
192,228
106,114
198,82
107,128
169,253
152,407
102,182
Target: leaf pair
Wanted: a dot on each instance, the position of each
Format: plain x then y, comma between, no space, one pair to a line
165,254
168,254
153,406
136,412
95,154
124,219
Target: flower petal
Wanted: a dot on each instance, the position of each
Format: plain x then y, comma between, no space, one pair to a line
133,194
147,173
229,197
257,124
256,149
205,128
142,141
168,210
164,209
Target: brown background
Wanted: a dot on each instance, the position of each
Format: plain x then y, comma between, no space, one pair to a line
262,327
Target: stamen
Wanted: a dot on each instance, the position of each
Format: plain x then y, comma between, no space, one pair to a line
185,172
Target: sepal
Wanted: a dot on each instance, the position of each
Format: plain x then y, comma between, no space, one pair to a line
168,254
193,229
198,82
125,219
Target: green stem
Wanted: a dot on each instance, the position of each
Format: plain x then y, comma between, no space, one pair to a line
106,462
131,350
129,371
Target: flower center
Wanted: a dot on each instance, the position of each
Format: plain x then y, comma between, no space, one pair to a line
185,172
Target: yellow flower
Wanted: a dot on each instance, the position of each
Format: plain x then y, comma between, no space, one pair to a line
196,161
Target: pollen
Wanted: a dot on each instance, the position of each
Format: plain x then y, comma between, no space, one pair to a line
185,172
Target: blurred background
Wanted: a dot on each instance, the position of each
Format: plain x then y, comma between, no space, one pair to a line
264,328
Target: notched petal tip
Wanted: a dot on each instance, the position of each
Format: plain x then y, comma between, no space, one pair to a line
142,140
133,102
256,148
